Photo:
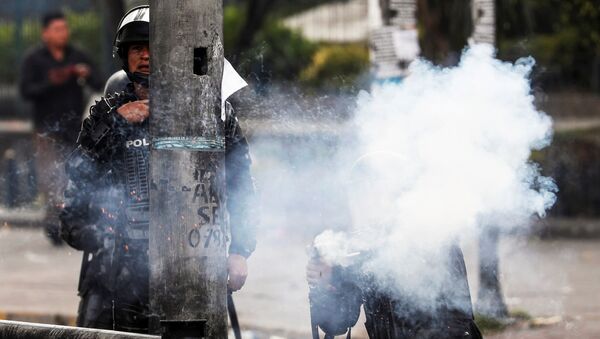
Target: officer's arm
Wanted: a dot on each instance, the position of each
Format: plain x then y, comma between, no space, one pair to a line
100,131
77,221
241,194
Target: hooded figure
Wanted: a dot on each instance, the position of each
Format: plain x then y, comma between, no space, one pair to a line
340,284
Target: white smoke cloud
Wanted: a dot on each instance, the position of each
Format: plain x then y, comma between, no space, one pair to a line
444,153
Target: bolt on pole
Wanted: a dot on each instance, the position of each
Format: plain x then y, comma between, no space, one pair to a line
188,227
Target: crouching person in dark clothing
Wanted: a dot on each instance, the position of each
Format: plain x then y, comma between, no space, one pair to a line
106,208
411,283
338,292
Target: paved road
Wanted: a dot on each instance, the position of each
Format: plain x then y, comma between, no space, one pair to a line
36,277
544,278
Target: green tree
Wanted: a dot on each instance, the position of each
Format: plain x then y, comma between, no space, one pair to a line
274,51
563,36
337,66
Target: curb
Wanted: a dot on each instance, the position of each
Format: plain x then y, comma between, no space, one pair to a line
53,319
573,228
248,331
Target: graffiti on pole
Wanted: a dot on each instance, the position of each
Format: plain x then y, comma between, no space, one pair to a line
209,231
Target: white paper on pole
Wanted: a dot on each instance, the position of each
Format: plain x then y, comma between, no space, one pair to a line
231,83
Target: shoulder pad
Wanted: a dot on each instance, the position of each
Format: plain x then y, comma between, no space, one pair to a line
105,104
101,122
117,83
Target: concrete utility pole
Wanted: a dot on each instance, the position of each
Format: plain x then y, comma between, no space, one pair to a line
188,229
490,301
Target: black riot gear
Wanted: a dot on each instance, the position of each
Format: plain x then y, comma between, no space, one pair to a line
117,83
106,212
334,310
335,313
137,31
106,205
393,314
134,27
391,311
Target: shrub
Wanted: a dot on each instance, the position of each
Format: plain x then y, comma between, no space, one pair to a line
282,52
276,52
337,66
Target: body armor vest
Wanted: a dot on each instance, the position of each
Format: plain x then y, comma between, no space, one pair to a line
131,266
137,200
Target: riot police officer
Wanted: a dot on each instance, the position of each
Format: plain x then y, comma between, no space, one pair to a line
337,294
106,208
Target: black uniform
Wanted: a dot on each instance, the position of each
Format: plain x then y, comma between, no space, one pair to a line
397,315
107,206
57,108
450,317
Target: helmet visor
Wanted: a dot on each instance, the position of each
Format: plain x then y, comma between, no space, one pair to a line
134,32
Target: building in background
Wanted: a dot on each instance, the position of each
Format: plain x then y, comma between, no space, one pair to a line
390,27
394,39
338,22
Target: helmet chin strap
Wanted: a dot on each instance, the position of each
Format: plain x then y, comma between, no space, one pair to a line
140,78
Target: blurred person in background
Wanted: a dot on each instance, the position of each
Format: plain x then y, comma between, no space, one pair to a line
53,77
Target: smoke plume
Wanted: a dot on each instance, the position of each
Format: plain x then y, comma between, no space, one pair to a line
439,156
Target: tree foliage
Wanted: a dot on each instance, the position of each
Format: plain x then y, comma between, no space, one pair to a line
444,29
564,37
337,66
274,51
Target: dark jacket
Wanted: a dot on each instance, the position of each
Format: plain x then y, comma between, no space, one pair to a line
397,315
106,202
57,108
